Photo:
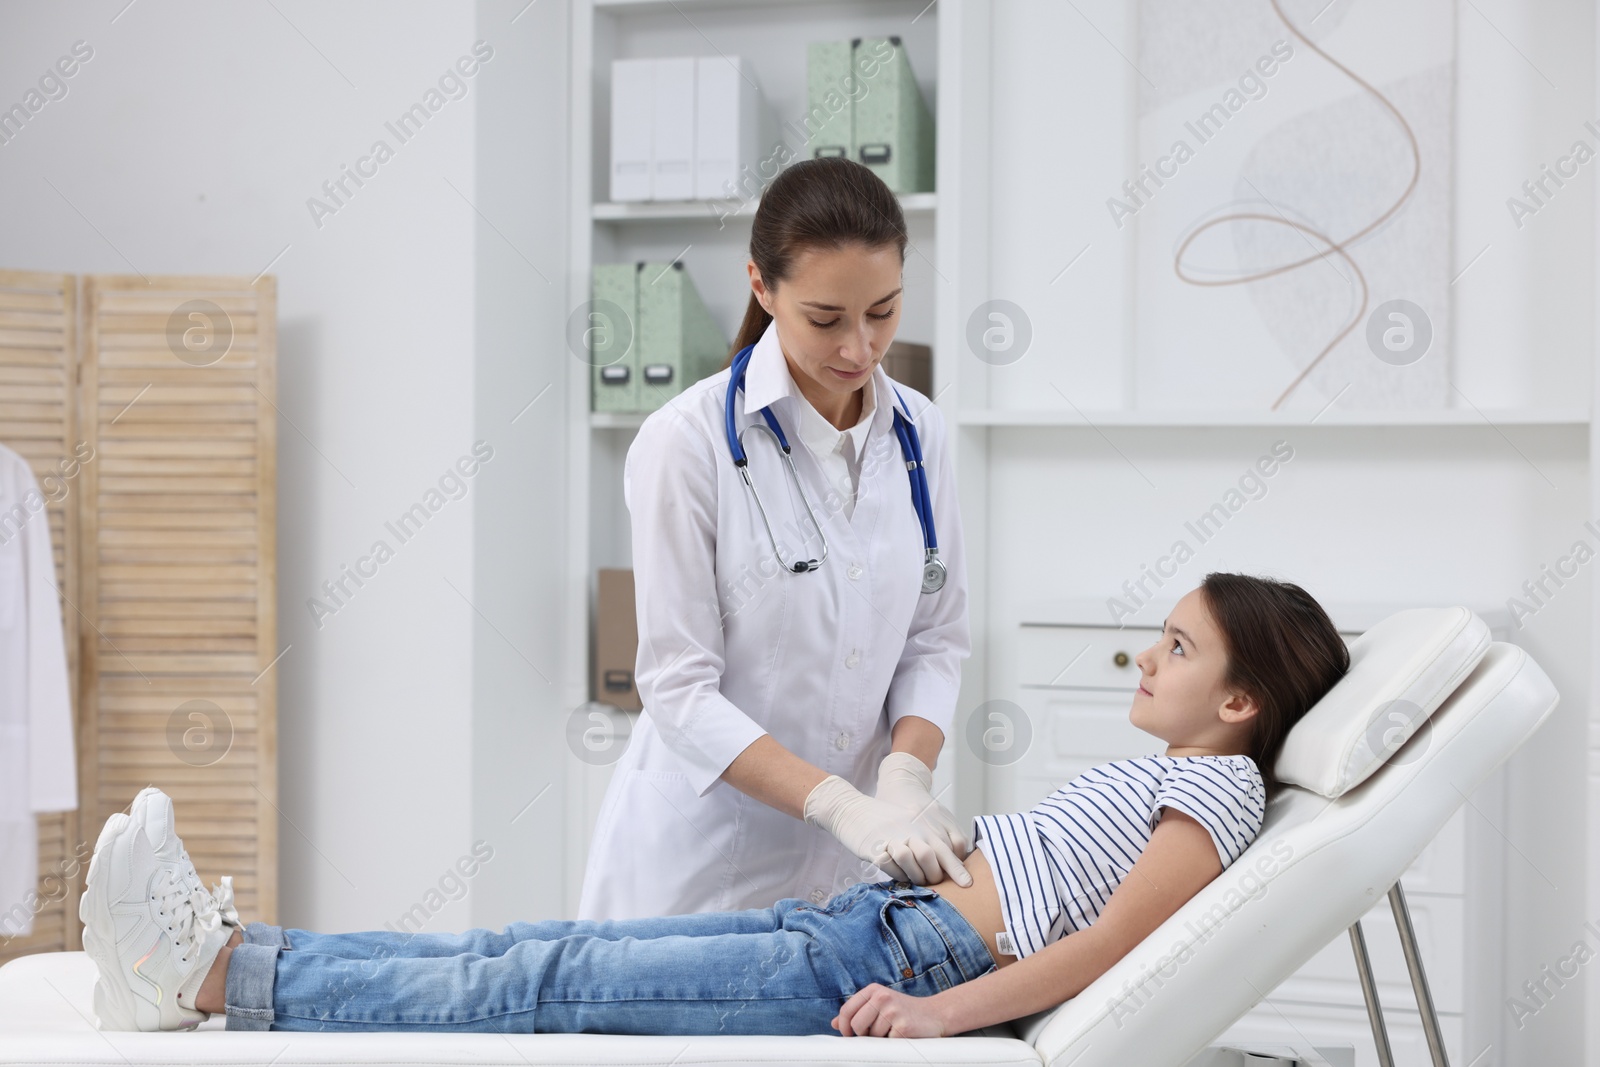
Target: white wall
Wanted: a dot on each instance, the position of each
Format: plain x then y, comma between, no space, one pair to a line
519,742
1443,515
190,143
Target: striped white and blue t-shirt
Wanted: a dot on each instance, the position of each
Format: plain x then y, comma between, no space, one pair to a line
1057,865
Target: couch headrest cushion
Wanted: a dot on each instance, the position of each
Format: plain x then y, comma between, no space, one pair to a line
1401,670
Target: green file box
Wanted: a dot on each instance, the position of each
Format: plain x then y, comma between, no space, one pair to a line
613,336
679,341
828,106
892,128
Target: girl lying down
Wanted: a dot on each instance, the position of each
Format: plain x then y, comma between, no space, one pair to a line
1058,894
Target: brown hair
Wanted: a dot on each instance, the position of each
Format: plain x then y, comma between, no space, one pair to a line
1283,651
824,203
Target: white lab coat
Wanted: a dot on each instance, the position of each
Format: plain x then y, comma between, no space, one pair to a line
731,647
38,768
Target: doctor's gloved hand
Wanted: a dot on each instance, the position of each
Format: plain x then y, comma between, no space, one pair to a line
907,782
879,832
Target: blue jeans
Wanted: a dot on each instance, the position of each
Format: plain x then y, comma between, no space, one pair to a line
786,969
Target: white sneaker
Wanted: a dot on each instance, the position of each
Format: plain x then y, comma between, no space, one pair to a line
162,831
152,935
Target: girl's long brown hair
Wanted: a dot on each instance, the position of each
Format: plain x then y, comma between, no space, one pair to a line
824,203
1282,650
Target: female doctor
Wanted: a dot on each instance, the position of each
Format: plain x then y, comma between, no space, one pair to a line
800,633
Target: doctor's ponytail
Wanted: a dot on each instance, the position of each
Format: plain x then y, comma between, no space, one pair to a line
824,203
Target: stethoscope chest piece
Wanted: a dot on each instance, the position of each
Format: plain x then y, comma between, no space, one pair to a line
933,574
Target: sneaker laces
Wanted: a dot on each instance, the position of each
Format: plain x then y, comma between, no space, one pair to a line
222,893
193,912
223,896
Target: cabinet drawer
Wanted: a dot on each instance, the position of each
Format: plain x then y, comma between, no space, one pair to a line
1057,655
1081,656
1070,732
1083,729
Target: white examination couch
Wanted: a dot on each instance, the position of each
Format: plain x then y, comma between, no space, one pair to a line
1333,844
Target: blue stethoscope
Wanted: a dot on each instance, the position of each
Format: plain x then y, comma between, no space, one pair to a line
933,569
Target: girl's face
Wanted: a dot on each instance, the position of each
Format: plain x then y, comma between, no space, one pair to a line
836,314
1181,698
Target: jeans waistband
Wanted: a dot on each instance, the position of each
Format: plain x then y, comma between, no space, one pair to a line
967,947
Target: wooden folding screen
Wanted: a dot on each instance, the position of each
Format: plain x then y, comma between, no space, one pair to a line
176,607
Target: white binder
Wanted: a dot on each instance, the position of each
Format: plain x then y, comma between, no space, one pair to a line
672,158
632,126
728,129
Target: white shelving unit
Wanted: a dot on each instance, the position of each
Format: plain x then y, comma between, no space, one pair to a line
713,211
1331,417
1157,420
948,46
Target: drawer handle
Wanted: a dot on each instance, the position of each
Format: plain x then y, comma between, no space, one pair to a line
1120,659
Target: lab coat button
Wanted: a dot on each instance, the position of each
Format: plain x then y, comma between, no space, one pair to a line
842,742
818,896
851,660
855,571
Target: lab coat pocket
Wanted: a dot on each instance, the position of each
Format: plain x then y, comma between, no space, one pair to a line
680,845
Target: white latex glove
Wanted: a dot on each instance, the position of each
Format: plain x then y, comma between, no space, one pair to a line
907,783
879,832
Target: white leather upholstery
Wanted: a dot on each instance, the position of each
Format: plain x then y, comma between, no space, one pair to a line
1318,864
1400,671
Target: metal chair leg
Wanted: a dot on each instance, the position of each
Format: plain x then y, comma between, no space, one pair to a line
1369,993
1419,984
1419,980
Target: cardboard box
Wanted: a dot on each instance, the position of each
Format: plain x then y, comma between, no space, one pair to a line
910,364
616,641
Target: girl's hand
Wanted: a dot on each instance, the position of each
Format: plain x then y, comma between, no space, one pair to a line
878,1011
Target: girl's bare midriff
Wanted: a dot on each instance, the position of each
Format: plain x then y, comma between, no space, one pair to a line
978,903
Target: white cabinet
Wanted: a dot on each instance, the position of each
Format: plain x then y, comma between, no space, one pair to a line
1066,679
